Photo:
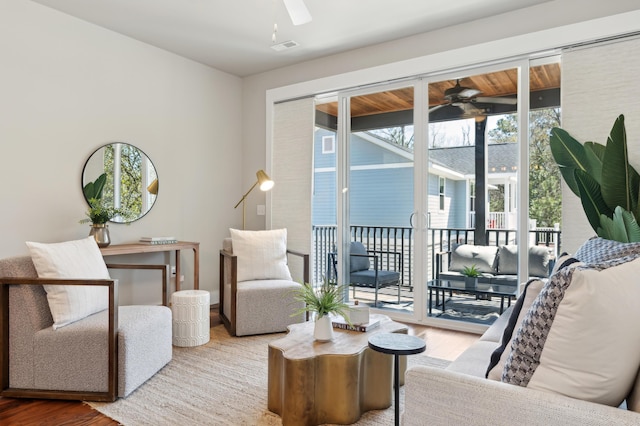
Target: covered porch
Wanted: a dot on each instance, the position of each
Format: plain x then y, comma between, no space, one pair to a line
400,240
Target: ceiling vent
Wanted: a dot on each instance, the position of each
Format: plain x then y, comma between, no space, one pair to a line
290,44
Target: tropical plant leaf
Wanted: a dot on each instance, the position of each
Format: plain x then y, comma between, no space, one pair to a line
569,154
591,197
93,190
605,228
594,153
631,225
617,175
621,227
596,148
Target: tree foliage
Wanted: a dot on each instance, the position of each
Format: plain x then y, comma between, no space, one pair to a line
545,201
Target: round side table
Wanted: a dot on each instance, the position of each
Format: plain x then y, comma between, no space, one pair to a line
190,311
396,344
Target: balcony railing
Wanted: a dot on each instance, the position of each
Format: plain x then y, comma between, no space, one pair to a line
400,239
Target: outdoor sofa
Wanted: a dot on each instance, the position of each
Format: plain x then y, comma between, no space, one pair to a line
496,264
564,354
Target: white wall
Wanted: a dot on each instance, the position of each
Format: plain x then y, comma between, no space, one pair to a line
598,84
406,57
68,87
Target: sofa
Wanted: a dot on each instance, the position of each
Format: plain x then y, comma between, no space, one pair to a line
574,361
496,264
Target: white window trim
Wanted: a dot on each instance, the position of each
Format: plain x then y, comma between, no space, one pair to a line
331,142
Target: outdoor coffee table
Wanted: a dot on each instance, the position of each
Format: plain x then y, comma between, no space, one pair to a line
481,289
313,383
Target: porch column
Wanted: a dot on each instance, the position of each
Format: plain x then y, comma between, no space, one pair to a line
482,198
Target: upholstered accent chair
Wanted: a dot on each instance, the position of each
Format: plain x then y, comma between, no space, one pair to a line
100,357
257,292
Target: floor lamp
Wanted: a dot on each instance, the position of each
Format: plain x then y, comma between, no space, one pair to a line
265,185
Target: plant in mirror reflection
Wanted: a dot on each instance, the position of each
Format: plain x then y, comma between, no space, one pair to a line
100,212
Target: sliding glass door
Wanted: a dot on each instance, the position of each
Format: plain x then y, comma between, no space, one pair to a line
406,172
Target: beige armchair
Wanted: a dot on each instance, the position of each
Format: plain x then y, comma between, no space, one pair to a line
250,305
101,357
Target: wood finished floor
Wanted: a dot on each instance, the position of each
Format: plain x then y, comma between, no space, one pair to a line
443,344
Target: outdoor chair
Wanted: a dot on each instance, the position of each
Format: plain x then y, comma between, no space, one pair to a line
257,292
366,269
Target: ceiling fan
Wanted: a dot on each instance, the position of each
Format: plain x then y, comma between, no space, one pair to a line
297,11
465,100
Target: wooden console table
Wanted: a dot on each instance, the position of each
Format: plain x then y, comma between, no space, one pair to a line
138,248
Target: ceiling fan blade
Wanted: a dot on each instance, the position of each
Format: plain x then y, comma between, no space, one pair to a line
497,100
297,11
437,107
468,93
445,112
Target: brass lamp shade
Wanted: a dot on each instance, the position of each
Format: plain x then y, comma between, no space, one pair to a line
153,187
265,183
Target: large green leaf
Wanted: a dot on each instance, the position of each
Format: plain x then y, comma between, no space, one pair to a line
631,225
622,227
607,230
569,154
618,177
591,197
594,153
93,190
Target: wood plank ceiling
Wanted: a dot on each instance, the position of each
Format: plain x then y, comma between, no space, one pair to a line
496,84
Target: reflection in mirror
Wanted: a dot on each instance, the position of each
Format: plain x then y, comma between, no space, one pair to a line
132,181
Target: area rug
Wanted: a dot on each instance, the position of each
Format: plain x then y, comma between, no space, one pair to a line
221,383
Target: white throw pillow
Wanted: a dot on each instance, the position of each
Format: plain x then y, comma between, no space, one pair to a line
577,338
74,260
262,255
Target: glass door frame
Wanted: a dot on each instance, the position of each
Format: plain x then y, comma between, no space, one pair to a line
421,174
343,174
522,67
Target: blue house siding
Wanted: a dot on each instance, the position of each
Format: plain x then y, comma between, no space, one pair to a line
381,196
381,188
324,198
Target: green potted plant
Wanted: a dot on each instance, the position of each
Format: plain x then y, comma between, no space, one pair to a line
471,275
99,212
323,301
608,186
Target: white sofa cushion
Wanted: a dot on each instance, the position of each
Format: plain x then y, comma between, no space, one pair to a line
575,338
262,255
71,259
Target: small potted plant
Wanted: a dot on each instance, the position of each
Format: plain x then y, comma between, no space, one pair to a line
471,275
323,301
99,212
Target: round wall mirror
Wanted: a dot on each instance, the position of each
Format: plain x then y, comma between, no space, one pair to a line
131,183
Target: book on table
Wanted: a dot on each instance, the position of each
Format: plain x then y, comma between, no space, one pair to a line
342,324
158,240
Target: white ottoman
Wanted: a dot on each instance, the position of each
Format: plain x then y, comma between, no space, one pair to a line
190,310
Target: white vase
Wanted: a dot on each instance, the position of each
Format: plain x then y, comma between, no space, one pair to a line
323,330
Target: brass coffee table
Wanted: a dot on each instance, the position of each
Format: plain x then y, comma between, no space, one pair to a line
313,383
